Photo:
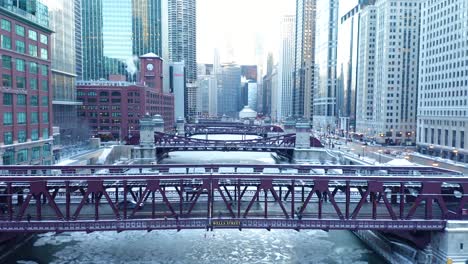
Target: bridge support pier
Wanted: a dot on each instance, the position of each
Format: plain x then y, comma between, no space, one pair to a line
452,243
303,152
145,153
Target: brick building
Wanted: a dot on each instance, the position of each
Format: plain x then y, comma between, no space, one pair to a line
115,107
25,93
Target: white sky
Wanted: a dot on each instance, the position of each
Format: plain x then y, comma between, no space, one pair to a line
236,26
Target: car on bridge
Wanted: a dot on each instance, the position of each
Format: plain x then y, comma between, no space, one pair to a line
131,204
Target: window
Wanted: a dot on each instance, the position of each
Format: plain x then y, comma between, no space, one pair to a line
33,100
46,150
21,117
6,62
32,50
20,46
36,153
32,34
21,99
44,101
22,136
9,157
6,25
44,54
19,30
45,117
20,65
22,155
20,82
8,138
34,118
8,118
6,42
45,86
33,84
7,99
34,134
43,39
44,70
45,133
33,67
103,94
6,80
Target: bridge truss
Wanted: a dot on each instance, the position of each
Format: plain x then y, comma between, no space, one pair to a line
151,197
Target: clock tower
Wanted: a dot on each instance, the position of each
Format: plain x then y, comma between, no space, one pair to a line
151,71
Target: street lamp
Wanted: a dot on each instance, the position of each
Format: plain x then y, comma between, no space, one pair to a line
455,151
363,148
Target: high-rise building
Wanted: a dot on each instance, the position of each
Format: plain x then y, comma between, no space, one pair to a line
228,90
266,88
284,102
365,115
348,29
442,123
304,55
177,84
325,81
26,104
63,42
78,43
183,35
138,24
274,93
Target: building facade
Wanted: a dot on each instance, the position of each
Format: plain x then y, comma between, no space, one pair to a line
229,89
138,24
348,29
365,114
284,102
325,81
114,108
304,56
183,35
177,84
442,124
63,41
26,105
396,71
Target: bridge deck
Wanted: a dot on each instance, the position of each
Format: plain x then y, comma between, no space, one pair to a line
93,198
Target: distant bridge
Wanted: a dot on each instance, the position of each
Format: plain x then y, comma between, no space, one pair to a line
230,128
283,144
151,197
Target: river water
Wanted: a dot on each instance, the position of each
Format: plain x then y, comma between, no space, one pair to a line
199,246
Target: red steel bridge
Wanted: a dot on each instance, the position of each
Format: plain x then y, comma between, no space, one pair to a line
168,142
152,197
230,128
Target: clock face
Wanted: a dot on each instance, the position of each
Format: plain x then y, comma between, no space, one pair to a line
149,67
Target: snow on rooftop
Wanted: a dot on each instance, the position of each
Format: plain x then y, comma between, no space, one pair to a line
400,162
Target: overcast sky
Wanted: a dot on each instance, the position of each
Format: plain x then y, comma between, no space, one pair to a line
240,29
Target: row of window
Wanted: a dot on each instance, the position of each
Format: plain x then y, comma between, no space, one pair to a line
22,136
20,47
22,155
20,83
20,65
21,100
21,31
21,118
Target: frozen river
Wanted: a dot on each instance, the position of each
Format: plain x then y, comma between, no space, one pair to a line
199,246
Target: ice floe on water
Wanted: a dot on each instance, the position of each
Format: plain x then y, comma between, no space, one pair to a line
26,262
198,246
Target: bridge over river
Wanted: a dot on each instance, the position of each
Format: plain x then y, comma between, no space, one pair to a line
214,196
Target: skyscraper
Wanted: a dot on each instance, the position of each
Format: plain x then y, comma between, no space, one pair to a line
442,125
304,57
325,62
284,98
62,22
183,35
229,89
138,24
365,115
